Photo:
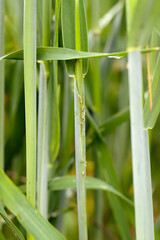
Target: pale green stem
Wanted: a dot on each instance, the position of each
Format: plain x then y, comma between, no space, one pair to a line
80,155
80,149
2,85
30,96
57,13
46,22
54,105
77,27
140,153
42,177
42,145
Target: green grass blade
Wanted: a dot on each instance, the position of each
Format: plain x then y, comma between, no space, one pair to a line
107,169
46,22
30,94
153,56
17,87
140,153
109,174
95,64
53,53
39,23
69,182
2,85
28,216
109,126
54,115
114,121
14,23
42,176
42,164
157,27
150,117
68,19
13,228
68,124
105,20
94,125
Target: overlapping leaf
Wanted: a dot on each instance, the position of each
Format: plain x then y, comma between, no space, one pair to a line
69,182
13,228
28,216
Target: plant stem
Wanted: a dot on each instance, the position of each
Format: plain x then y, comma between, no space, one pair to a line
2,85
80,157
56,136
46,22
54,129
80,151
140,153
30,96
42,178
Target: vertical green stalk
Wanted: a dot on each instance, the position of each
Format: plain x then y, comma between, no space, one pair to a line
46,22
57,15
80,151
42,173
140,153
46,27
56,107
54,119
56,129
1,85
42,178
30,96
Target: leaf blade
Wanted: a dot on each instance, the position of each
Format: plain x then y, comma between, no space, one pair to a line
54,53
151,117
28,216
69,182
13,228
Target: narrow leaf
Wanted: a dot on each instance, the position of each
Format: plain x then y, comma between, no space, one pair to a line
68,31
2,87
107,169
69,182
150,117
13,228
114,121
140,153
30,95
42,176
109,174
28,216
53,101
54,53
